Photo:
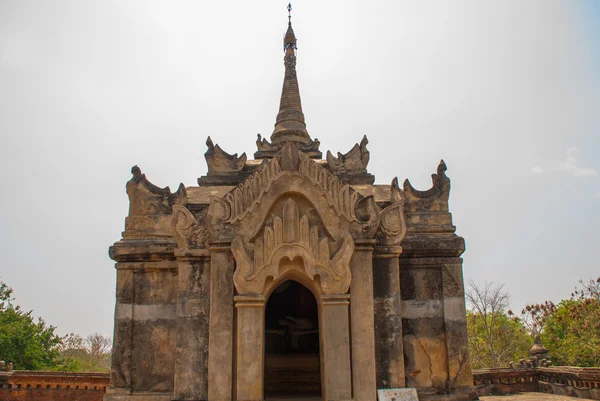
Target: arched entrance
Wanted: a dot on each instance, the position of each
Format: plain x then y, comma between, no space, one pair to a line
291,247
292,354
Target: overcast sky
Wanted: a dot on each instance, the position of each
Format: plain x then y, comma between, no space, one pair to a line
506,92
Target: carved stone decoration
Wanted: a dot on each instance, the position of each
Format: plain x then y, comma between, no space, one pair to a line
221,162
6,368
291,237
369,217
393,224
185,229
267,149
219,212
146,198
244,198
353,162
440,188
339,195
289,156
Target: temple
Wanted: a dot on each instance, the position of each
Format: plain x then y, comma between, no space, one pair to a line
290,276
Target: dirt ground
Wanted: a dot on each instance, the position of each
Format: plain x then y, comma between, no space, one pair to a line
531,397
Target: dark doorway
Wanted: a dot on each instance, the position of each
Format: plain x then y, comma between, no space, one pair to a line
292,363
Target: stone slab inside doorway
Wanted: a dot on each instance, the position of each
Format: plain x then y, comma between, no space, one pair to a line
293,398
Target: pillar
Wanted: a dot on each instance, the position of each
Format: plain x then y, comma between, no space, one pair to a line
120,372
191,367
220,340
250,338
455,322
389,350
362,322
424,328
335,348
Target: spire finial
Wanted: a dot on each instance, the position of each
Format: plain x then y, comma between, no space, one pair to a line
290,125
289,41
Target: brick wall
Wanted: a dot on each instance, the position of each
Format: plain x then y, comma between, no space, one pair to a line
562,380
24,385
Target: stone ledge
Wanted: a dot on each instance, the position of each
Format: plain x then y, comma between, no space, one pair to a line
130,250
561,380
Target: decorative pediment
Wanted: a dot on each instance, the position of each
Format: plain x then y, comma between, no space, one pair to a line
246,196
242,199
290,237
339,195
146,198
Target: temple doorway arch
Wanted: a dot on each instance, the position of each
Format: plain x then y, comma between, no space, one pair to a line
291,345
292,247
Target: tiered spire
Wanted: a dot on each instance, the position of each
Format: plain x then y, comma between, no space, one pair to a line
290,125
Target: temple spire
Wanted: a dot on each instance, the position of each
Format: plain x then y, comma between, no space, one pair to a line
290,125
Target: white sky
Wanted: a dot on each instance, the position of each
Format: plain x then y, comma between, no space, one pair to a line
506,92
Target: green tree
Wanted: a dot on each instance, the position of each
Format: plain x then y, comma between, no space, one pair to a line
570,330
495,338
27,342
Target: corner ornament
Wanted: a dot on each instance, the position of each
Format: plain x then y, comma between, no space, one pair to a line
355,161
146,198
440,187
368,218
221,162
185,229
290,238
393,225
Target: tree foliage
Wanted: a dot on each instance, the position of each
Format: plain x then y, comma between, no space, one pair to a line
495,339
27,342
31,344
570,330
91,354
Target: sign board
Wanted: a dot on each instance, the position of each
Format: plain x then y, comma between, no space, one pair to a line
397,394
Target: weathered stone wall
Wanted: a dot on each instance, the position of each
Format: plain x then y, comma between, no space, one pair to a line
154,328
145,335
423,329
52,386
191,365
145,326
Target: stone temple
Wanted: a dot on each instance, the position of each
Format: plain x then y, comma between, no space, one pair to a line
289,276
